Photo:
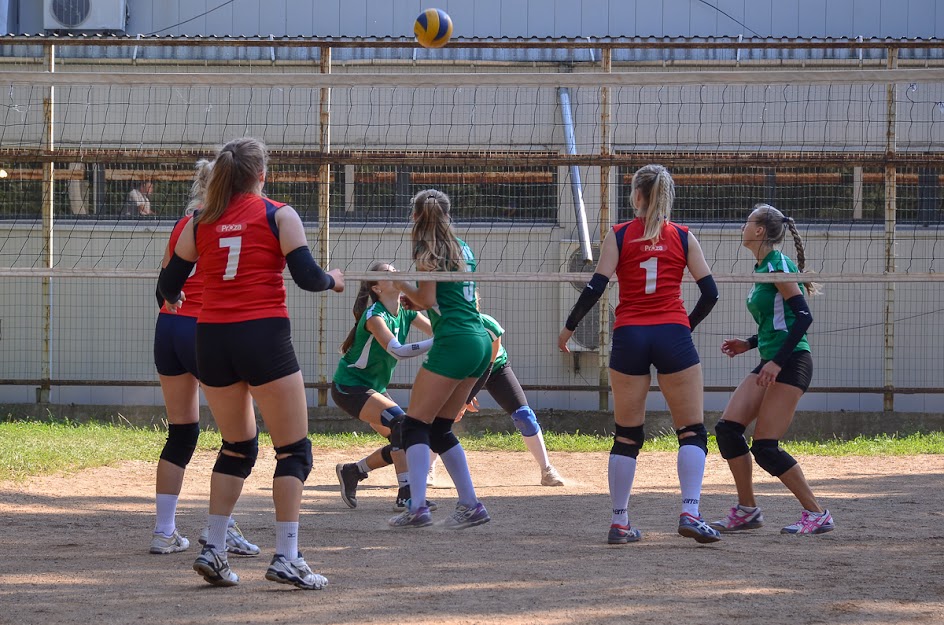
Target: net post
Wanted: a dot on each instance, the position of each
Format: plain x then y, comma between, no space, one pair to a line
324,208
604,306
891,207
49,173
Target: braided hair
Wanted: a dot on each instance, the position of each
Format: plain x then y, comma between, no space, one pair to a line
776,225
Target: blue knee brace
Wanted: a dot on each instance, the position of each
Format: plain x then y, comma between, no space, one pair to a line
526,421
388,415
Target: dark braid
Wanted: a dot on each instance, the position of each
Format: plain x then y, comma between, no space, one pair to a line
775,226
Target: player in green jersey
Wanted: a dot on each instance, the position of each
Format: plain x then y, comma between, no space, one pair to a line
460,354
770,393
371,351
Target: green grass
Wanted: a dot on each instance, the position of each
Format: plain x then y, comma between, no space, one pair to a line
36,448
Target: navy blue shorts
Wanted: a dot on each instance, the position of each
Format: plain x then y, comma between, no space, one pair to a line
175,345
668,346
256,352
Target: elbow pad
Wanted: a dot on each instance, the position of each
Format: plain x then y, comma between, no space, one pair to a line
410,350
707,301
173,277
305,271
803,319
588,298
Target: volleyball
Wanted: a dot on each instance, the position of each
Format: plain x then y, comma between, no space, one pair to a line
433,28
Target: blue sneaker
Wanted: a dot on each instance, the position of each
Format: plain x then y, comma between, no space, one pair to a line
465,517
420,518
694,527
622,534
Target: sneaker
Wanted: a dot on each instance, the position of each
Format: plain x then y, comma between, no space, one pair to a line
169,544
420,518
295,572
694,527
214,567
811,523
622,534
739,519
465,517
550,477
349,475
236,543
403,501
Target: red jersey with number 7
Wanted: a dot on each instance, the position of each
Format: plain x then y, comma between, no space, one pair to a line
650,275
242,262
193,287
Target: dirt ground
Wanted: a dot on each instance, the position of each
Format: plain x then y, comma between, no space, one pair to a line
74,550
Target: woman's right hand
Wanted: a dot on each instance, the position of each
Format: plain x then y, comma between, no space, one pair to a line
562,339
733,347
174,306
338,276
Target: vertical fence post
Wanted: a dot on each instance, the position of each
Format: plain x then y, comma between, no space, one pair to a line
604,306
891,197
48,206
324,210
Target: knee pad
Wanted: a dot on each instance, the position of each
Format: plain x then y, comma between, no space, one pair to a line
238,466
391,414
635,433
526,421
771,458
181,443
298,461
441,437
387,454
700,439
624,449
731,441
413,432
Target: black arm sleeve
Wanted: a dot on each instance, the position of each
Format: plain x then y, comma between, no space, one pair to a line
157,291
305,271
591,295
173,276
752,341
802,323
706,301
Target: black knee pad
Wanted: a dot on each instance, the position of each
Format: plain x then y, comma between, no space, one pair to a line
386,453
414,432
238,466
181,443
700,439
298,461
731,441
624,449
771,458
635,433
441,438
396,432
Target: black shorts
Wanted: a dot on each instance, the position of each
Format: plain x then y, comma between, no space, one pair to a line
352,399
255,352
668,346
505,389
175,345
797,371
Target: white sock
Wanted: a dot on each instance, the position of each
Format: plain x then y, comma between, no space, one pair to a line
433,459
217,531
403,479
286,539
747,508
166,512
535,445
458,467
622,471
417,459
362,465
691,472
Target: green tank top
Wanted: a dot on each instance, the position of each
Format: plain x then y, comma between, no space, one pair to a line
367,363
495,330
455,312
773,316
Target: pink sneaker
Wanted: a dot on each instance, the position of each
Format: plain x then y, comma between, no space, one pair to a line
739,519
811,523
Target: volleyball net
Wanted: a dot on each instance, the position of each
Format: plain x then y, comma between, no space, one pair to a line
538,160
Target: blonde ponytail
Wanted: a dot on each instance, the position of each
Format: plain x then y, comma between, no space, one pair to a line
655,183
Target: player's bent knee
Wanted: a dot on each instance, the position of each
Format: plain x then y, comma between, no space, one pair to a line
441,436
387,453
391,414
699,436
771,457
295,460
635,433
624,449
181,443
237,465
413,432
731,441
526,421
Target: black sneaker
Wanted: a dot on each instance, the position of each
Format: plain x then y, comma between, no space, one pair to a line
349,475
403,501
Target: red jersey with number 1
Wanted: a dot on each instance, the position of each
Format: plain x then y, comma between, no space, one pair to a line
193,287
242,262
650,275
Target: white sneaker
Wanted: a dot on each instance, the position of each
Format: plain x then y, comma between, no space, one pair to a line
214,567
169,544
550,477
431,476
236,542
295,572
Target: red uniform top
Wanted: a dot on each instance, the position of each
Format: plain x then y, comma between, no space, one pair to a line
650,275
193,287
242,262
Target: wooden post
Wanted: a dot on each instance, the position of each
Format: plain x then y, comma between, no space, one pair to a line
604,306
891,217
324,221
48,208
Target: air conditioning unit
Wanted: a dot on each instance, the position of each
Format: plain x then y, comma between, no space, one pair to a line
587,336
85,15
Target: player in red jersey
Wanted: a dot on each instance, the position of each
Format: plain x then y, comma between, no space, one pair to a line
244,348
649,255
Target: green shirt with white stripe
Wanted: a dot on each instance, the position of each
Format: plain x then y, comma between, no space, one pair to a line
367,363
455,312
773,316
495,330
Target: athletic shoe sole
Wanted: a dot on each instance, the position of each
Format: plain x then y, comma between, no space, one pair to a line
350,503
691,532
211,576
753,525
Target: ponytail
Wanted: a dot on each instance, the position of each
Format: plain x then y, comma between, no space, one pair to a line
812,288
198,189
656,185
776,225
365,296
236,169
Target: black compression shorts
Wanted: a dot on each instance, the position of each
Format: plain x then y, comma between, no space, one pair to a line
797,371
255,352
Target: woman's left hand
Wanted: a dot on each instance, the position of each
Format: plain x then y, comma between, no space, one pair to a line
562,339
768,374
